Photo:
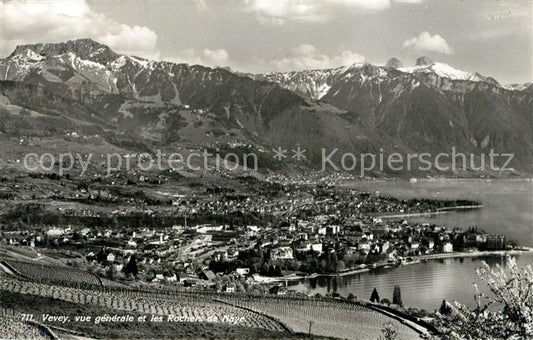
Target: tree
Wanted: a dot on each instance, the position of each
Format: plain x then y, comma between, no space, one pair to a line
260,252
277,271
332,262
111,272
271,270
374,297
388,332
444,308
131,267
239,287
512,321
397,296
340,266
101,255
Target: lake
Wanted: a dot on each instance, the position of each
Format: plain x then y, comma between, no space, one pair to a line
423,285
507,204
507,209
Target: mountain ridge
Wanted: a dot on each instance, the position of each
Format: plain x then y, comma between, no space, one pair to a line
430,106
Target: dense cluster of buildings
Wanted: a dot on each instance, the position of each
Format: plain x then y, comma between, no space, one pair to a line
283,227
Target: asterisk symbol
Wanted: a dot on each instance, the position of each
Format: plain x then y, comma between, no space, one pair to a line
280,153
299,153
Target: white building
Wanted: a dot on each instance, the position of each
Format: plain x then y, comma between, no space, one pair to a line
252,230
281,253
55,231
385,246
207,228
243,271
364,246
172,278
317,247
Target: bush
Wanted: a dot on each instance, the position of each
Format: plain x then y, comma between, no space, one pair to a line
385,302
513,321
389,332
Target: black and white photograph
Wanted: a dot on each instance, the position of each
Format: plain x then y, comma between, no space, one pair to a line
266,169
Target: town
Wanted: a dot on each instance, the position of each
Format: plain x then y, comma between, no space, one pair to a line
241,235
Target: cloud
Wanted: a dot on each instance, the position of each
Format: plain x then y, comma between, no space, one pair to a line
409,1
207,57
280,11
201,5
427,42
372,5
131,40
304,49
277,12
301,57
54,21
216,57
307,57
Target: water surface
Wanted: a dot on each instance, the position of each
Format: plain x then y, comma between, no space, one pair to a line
423,285
507,204
507,209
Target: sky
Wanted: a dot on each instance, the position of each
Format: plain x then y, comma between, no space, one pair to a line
494,38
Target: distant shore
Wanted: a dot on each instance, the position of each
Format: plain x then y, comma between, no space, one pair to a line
439,211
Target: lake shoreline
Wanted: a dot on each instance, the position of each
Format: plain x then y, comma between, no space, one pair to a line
440,211
504,205
416,260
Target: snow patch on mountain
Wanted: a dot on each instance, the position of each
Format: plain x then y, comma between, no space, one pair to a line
323,90
516,87
176,100
31,56
119,63
442,70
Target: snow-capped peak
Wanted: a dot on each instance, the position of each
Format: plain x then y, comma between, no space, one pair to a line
444,71
517,87
356,65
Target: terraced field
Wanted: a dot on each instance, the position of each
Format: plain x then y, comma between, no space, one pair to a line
13,328
323,317
328,318
52,274
179,305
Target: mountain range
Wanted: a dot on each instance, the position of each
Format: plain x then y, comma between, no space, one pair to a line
82,86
